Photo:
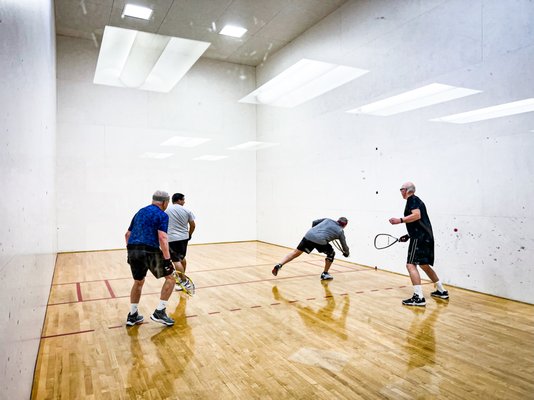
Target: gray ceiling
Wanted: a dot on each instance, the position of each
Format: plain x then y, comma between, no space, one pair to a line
271,24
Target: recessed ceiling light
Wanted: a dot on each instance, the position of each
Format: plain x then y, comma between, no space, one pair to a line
142,60
301,82
252,145
209,157
184,141
418,98
232,30
131,10
501,110
158,156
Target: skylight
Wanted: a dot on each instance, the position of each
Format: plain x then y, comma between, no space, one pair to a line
301,82
425,96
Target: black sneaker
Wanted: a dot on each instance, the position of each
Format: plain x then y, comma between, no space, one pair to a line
162,317
134,319
441,295
325,276
276,268
415,300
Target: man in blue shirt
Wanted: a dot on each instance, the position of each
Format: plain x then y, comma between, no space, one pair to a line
148,249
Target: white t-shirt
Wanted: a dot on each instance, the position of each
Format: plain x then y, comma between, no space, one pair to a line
179,218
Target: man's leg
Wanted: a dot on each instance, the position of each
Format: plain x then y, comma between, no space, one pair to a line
414,274
135,293
417,299
166,289
291,256
430,273
160,314
440,292
327,264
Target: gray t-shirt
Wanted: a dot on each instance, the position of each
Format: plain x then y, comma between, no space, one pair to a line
325,230
179,218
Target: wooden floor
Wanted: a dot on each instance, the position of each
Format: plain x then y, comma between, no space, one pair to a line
249,335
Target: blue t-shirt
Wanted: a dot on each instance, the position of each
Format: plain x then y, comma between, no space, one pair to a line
146,224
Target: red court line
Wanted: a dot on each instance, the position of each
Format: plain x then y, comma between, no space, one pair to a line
110,289
67,334
213,312
79,291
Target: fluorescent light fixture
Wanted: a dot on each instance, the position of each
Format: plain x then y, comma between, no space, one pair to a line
252,145
134,11
232,30
158,156
146,61
301,82
184,141
501,110
422,97
209,157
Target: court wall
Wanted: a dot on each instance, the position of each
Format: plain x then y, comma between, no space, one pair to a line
476,178
104,133
28,241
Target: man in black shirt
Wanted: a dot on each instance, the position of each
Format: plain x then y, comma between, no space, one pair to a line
421,247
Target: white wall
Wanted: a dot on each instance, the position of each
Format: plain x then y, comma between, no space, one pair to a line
27,173
103,130
477,177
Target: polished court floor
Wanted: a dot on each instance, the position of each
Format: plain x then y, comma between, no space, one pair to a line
248,335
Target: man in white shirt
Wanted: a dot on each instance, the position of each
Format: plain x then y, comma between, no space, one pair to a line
181,228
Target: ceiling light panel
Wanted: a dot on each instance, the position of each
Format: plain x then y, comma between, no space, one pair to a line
481,114
252,145
145,61
425,96
131,10
210,157
302,82
158,156
232,30
185,141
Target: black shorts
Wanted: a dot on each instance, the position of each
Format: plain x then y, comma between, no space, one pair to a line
143,258
420,252
307,246
178,249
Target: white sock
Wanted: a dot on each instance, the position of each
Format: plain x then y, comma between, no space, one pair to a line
418,290
162,305
439,286
133,309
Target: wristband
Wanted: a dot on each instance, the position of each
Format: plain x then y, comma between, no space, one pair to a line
402,221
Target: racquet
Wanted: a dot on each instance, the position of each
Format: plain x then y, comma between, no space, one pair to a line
383,241
187,284
337,245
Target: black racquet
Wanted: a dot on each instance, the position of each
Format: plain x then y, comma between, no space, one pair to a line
384,240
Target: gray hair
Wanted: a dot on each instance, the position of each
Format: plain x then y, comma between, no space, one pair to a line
410,187
161,196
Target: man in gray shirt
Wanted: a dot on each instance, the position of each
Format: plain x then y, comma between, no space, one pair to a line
181,228
318,237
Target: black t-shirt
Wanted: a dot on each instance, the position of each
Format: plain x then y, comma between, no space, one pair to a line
422,228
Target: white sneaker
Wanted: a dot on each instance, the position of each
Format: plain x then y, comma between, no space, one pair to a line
177,288
325,276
